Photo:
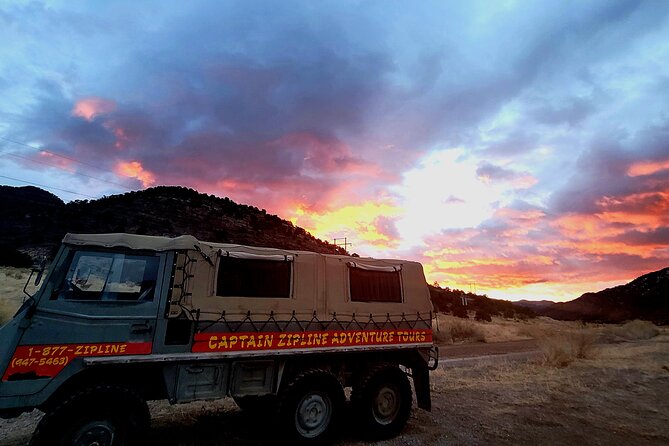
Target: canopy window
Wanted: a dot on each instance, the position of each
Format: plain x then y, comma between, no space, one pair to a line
375,283
248,275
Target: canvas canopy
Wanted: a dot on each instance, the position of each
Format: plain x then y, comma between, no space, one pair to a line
132,241
307,283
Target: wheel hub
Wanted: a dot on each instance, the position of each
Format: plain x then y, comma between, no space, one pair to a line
94,433
313,415
386,405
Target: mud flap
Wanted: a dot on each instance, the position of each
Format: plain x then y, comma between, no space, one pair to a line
421,382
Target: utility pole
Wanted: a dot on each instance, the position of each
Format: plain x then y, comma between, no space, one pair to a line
345,244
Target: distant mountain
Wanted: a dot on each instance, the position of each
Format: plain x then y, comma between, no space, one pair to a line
535,304
34,221
646,297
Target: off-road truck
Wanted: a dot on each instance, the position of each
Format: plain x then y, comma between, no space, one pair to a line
122,319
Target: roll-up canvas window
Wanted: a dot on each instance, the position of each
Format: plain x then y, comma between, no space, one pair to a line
250,275
370,283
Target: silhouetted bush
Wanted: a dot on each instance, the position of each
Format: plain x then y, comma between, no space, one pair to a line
15,258
483,315
460,311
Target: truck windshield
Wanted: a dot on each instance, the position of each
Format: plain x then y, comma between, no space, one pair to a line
109,276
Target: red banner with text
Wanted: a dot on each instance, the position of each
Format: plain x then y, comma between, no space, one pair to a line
230,342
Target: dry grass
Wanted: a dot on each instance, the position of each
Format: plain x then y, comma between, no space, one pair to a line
500,329
7,310
452,329
618,397
631,331
562,348
11,290
449,329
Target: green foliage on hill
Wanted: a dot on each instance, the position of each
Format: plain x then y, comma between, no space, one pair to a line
447,300
36,221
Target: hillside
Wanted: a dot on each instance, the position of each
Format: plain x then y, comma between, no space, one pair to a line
35,221
447,300
646,297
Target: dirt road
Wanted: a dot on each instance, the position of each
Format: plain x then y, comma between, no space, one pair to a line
457,351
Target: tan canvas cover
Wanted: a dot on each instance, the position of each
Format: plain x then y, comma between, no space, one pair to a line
320,282
132,241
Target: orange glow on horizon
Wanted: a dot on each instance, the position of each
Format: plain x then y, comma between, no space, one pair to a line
361,220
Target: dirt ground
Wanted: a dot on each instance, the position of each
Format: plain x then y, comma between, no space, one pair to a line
619,397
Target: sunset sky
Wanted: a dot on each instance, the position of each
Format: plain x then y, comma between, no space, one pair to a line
515,148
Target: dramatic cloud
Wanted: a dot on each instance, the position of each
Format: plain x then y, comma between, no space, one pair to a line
134,169
488,172
648,167
89,108
519,147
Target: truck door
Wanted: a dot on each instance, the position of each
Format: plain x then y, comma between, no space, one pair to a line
100,303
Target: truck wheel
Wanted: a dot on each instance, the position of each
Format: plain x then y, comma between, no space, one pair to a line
103,415
255,403
382,402
310,407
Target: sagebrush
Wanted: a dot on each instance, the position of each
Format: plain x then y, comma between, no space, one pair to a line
562,348
637,330
458,331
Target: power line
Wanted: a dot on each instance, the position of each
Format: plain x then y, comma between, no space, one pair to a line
38,149
48,187
53,153
73,173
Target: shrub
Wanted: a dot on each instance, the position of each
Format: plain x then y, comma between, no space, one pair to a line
508,313
442,336
637,330
483,315
563,348
15,258
460,311
455,330
463,331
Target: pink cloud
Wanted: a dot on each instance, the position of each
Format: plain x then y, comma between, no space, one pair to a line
134,169
641,168
89,108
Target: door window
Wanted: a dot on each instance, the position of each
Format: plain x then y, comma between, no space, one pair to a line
109,276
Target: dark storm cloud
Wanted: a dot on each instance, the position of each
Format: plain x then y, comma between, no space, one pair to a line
604,171
495,173
223,86
229,112
572,112
515,143
659,236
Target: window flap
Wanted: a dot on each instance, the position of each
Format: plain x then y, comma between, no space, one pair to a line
387,269
249,256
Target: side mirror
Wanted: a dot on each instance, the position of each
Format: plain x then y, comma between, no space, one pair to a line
40,271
